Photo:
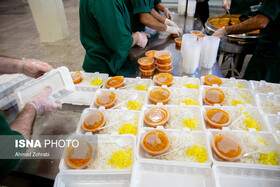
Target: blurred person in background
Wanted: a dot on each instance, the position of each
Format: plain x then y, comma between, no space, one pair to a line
202,9
265,62
39,105
240,6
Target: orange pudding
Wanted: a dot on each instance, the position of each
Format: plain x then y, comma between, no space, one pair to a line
115,82
146,62
93,122
155,143
178,42
76,77
151,53
163,57
156,117
211,79
163,79
158,95
106,99
217,118
214,96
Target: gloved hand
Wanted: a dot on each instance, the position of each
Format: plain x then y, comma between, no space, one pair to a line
170,23
33,68
43,103
226,4
142,39
221,33
174,30
167,13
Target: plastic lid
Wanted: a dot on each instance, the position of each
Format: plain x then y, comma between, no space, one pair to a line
195,32
159,94
214,96
76,77
164,79
211,79
155,142
93,121
162,55
151,53
80,156
217,116
226,147
146,60
115,82
105,98
156,116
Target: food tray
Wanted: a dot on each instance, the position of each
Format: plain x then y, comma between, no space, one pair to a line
245,176
59,79
146,174
83,95
231,83
249,142
87,78
121,96
132,83
265,87
274,125
179,95
268,104
192,137
179,82
184,112
111,116
7,102
237,115
77,179
120,142
244,95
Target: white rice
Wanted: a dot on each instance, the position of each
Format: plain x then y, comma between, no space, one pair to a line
235,84
274,88
179,82
178,96
270,107
240,95
131,84
88,78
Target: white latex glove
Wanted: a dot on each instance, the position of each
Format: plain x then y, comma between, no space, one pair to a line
43,103
226,4
142,39
167,13
33,68
170,23
174,30
221,33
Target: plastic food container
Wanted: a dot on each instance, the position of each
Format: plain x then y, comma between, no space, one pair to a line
196,32
115,82
151,53
156,116
148,72
165,70
159,95
199,36
226,147
146,62
93,121
174,35
217,118
166,66
178,42
211,79
163,57
155,143
163,79
106,99
214,96
76,77
80,156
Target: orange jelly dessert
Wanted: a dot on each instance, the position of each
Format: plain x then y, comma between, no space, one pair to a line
155,143
196,32
146,62
166,66
199,36
174,35
76,77
159,95
93,121
115,82
156,117
226,147
178,42
148,72
214,96
163,79
151,53
106,99
211,79
217,118
163,57
80,156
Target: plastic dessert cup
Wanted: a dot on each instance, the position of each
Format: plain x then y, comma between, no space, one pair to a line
165,70
164,79
159,95
211,79
115,82
226,147
76,77
151,53
93,122
156,116
148,72
174,35
217,118
214,96
164,66
146,62
178,42
79,157
199,36
195,32
106,99
155,143
163,57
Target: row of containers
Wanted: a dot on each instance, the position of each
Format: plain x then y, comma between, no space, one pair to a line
173,131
